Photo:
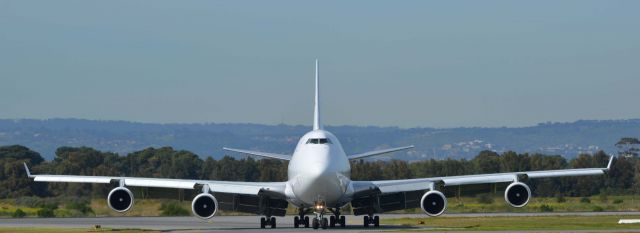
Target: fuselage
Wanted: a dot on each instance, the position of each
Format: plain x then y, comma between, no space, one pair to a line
319,171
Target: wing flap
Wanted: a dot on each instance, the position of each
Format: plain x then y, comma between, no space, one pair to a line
160,183
377,152
261,154
478,179
72,179
569,172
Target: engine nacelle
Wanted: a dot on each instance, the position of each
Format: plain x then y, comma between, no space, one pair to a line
433,203
517,194
204,206
120,199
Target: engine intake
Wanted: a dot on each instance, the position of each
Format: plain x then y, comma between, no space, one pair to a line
433,203
120,199
517,194
204,206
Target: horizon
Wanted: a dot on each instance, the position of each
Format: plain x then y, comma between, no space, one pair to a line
311,126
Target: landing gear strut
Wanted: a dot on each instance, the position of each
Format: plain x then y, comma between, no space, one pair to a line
319,220
268,221
301,219
336,218
371,220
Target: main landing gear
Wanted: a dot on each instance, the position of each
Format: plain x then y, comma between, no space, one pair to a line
371,220
301,219
268,221
336,218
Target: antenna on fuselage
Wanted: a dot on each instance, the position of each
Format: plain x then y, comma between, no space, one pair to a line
317,124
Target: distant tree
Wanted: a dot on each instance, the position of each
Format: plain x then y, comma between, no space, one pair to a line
621,175
486,162
396,169
591,185
628,147
512,162
13,177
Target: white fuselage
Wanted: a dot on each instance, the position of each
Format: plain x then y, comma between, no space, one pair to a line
319,171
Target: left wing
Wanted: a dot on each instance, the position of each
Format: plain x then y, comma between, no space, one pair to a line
377,152
389,195
389,186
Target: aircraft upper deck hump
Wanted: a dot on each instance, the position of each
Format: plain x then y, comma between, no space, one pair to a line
317,123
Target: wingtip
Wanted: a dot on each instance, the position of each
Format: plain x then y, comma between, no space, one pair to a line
26,168
610,162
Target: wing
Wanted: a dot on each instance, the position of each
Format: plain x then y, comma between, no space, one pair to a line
389,186
262,154
233,187
377,152
248,197
388,195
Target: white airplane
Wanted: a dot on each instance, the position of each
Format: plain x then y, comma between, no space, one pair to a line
319,181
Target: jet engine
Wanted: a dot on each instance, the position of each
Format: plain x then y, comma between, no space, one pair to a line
433,203
204,206
120,199
517,194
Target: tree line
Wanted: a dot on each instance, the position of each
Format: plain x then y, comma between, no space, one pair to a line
166,162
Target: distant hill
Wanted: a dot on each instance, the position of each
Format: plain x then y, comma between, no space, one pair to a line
567,139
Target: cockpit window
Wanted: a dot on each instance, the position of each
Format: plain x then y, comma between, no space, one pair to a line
318,141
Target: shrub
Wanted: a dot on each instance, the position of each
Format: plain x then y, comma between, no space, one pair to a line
585,200
546,208
19,213
604,198
45,213
31,202
81,206
173,208
485,198
597,209
618,201
560,199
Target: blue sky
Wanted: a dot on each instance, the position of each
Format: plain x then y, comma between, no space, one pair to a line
386,63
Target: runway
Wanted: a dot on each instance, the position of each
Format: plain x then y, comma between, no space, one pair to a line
242,223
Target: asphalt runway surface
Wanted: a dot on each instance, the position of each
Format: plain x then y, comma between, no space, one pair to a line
245,223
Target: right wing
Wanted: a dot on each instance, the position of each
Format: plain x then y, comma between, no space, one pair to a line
262,154
249,197
235,187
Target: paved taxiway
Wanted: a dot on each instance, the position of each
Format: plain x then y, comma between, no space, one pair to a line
239,223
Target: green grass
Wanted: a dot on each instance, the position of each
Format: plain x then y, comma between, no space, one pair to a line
150,207
541,204
66,230
607,222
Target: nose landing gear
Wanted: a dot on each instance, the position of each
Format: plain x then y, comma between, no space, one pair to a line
319,221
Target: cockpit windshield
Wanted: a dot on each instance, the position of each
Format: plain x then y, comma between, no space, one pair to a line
318,141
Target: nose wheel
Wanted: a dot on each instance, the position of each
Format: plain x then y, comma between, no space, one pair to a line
320,223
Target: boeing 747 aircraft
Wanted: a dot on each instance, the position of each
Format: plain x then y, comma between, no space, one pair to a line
319,182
